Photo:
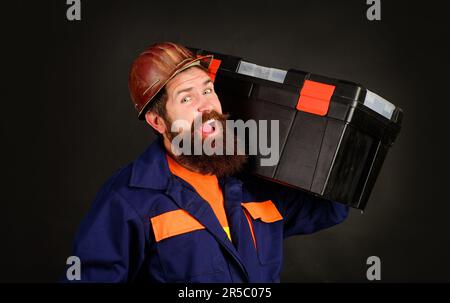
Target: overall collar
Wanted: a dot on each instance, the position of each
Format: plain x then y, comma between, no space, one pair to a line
150,169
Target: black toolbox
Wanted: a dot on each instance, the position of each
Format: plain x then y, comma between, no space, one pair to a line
333,134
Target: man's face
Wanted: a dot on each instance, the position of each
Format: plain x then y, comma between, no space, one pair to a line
191,98
191,94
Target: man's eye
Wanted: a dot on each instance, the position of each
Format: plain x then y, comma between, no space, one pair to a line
207,91
186,99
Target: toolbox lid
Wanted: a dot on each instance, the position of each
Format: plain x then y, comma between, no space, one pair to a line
316,94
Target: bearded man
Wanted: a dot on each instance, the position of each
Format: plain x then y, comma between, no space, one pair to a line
174,216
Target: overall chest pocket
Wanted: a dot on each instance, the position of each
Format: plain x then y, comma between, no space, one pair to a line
186,250
266,224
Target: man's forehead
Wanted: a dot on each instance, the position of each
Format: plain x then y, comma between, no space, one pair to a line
187,78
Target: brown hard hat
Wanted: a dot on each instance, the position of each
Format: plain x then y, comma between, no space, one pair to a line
153,68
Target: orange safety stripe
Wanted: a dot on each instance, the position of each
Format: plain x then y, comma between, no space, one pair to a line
315,97
173,223
266,211
251,227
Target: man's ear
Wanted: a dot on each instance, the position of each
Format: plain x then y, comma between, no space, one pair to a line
155,121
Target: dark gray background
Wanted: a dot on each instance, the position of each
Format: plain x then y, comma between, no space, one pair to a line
68,122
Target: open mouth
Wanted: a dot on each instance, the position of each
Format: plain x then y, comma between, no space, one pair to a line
209,127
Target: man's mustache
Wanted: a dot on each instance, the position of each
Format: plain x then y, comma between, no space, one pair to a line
202,118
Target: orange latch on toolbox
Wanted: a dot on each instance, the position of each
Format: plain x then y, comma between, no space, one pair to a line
315,97
213,67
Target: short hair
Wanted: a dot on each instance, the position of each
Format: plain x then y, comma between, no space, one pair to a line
158,106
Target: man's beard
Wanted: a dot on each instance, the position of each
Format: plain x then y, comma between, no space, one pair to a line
220,164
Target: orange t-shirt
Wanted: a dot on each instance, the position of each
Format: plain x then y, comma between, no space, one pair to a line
207,186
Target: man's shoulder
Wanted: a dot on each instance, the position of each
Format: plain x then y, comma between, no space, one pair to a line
119,179
119,187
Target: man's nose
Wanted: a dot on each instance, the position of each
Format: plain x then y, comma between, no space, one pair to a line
205,105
